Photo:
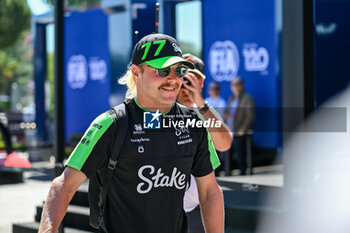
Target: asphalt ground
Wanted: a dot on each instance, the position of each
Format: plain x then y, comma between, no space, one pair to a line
18,201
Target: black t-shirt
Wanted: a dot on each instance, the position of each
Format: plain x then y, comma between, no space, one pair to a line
149,181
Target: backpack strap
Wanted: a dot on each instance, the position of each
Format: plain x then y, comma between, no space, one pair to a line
120,116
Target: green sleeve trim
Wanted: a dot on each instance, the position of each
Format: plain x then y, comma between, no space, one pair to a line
214,159
215,162
87,143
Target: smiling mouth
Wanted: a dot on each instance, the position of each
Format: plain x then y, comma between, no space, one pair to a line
169,88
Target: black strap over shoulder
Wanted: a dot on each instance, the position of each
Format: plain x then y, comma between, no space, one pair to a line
121,119
120,116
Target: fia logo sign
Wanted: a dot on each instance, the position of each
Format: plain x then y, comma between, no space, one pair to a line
256,59
223,60
77,71
151,120
98,68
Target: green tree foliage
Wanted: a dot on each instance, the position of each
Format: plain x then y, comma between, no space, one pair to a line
8,66
2,143
14,19
77,3
50,77
16,65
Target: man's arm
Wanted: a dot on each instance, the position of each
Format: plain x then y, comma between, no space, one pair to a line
222,136
211,202
61,193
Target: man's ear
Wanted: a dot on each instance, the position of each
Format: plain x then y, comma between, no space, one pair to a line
136,71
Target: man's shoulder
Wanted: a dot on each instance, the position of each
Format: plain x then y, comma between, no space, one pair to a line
129,107
105,119
125,101
246,100
247,96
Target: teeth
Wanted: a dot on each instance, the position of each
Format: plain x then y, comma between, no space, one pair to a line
168,88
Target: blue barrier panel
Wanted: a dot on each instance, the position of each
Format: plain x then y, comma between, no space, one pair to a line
137,16
239,38
331,48
87,69
40,72
143,15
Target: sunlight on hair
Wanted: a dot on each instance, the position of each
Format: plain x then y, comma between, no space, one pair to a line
128,80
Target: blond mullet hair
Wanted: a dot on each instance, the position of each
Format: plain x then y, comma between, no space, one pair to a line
128,79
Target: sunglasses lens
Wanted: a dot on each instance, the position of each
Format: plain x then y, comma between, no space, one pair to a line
163,72
181,71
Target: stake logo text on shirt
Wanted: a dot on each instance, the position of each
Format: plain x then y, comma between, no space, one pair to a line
159,179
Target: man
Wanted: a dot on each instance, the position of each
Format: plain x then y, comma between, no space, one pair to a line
214,99
148,185
191,96
240,116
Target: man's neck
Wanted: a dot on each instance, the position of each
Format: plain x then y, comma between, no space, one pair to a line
214,97
148,106
238,94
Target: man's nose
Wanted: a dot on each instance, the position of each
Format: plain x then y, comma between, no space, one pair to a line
172,74
173,77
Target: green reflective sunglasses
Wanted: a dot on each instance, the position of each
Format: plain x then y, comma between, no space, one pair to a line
180,71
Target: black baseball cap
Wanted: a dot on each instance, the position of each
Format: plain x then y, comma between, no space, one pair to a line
198,63
159,51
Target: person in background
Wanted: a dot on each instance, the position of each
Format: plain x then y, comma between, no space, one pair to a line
214,99
240,117
190,95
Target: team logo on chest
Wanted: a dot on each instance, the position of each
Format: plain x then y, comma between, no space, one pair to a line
183,133
138,129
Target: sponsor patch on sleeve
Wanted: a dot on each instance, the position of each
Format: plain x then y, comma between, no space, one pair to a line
83,150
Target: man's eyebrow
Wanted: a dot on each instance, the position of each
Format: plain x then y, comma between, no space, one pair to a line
179,64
